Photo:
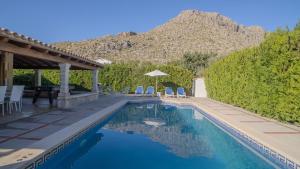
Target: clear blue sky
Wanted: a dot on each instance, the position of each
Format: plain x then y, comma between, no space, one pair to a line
61,20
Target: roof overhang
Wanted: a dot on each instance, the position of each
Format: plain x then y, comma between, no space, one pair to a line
33,54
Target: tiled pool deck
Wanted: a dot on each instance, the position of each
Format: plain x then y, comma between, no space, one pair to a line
31,134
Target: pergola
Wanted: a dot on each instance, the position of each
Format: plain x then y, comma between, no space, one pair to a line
21,52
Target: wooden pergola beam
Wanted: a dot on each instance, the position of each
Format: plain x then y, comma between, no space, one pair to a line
41,67
34,61
8,47
46,63
26,61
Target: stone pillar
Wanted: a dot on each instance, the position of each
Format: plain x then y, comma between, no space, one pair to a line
37,77
95,88
6,69
64,79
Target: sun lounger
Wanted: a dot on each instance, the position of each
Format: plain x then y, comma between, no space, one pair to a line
139,90
169,92
150,91
181,92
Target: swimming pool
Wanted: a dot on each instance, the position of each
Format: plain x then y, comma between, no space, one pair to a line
157,136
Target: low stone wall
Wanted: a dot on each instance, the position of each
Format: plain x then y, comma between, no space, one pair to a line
71,100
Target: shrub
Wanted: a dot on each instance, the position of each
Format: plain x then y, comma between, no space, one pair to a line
197,62
116,76
119,76
81,79
265,79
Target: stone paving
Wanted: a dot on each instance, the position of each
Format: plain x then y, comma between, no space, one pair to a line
21,130
28,110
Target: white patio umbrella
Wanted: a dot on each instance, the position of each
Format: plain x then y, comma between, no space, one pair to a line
156,73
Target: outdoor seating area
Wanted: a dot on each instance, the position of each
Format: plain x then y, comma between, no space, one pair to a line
180,92
49,92
21,52
151,91
169,92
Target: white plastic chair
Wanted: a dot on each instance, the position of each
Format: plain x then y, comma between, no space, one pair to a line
2,97
16,98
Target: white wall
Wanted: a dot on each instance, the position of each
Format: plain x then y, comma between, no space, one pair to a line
199,88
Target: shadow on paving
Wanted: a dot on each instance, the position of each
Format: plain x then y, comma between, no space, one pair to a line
33,127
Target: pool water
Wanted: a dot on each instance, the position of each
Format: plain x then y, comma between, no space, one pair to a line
157,136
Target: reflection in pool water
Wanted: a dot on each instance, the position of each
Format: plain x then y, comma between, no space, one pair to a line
158,136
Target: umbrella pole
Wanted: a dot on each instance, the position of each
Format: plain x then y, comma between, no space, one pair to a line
155,109
156,85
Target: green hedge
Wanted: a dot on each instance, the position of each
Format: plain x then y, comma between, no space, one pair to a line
119,76
81,79
116,76
265,79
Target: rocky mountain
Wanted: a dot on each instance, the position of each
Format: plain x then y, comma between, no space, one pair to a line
190,31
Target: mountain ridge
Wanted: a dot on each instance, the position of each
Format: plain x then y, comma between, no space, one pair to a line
190,31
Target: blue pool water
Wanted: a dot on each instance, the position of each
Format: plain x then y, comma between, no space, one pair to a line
157,136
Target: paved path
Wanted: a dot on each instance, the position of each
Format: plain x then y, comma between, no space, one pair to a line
283,138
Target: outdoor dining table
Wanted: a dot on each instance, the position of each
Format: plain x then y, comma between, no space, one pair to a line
51,91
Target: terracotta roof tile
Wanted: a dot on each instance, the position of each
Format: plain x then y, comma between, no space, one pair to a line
25,39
